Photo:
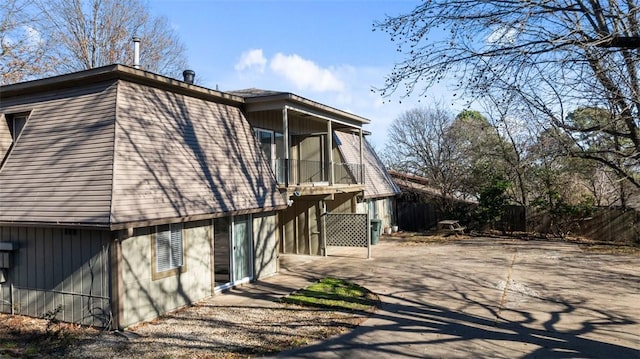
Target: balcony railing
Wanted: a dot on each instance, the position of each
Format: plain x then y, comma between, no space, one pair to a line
304,171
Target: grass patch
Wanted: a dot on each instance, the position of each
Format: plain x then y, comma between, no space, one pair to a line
334,294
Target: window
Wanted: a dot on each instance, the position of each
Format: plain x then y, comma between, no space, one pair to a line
266,142
272,144
168,253
10,130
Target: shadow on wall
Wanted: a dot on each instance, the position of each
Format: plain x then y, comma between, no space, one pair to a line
184,156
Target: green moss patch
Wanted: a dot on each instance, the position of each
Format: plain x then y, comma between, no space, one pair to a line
335,294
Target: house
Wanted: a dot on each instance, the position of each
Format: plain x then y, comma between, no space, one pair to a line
125,194
420,206
380,193
326,167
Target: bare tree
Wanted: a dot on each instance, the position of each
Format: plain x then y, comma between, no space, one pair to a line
93,33
420,144
518,135
551,56
22,50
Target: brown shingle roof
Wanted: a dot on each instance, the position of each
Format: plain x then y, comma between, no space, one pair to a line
123,151
378,183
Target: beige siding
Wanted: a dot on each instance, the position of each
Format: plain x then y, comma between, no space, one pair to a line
268,120
341,203
378,183
145,298
302,228
60,169
56,267
5,137
272,120
383,210
179,156
265,240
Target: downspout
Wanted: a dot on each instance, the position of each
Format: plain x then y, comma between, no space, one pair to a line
117,288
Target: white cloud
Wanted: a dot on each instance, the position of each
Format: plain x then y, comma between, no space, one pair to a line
306,74
33,36
252,60
505,35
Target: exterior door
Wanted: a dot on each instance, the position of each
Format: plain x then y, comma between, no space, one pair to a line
241,248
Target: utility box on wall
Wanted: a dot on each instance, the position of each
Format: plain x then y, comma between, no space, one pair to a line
5,254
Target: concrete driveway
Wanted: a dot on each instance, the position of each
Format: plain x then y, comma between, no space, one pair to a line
483,298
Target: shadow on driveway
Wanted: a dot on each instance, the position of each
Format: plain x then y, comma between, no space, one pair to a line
487,298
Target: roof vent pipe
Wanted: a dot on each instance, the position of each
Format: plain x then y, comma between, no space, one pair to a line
136,52
189,76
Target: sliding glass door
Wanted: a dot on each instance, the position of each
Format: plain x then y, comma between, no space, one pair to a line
232,250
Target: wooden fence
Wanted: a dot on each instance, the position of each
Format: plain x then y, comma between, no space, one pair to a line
416,217
605,224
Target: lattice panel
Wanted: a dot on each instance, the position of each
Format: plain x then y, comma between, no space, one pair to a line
347,229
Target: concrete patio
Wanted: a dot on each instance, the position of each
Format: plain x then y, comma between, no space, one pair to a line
496,298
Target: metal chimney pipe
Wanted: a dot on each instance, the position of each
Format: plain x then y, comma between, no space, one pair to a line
189,76
136,52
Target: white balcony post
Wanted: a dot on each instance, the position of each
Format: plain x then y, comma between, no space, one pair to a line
361,155
330,145
285,129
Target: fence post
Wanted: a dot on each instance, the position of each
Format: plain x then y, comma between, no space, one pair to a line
13,311
368,227
323,224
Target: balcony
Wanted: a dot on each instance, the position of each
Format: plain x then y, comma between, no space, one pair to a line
317,173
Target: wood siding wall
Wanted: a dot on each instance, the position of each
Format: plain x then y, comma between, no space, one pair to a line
60,168
56,267
342,203
302,228
265,244
298,125
380,208
145,298
178,156
5,137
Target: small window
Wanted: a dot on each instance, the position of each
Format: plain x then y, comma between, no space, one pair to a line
10,130
168,251
16,124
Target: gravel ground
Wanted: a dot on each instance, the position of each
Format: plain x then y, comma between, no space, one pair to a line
205,330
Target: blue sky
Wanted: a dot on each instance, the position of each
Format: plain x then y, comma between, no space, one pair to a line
324,50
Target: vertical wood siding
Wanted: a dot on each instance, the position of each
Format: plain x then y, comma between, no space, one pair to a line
178,156
145,298
265,244
56,268
272,120
60,169
302,229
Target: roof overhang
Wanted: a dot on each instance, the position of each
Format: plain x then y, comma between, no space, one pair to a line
118,72
304,106
139,223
